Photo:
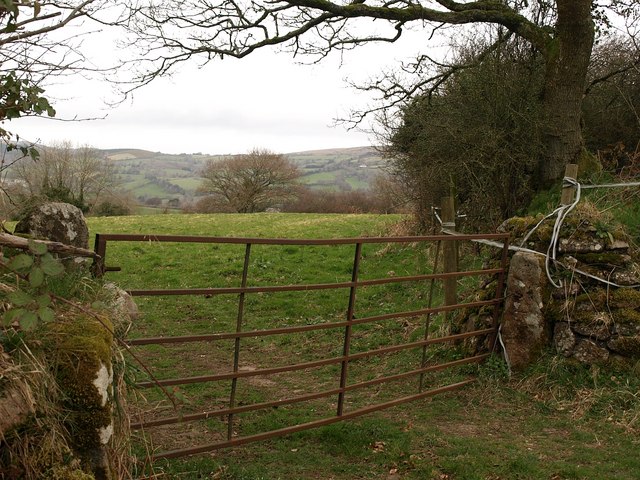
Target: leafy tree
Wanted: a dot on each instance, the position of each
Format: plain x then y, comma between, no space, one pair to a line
562,31
250,183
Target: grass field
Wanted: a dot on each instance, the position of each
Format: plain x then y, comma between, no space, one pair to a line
557,421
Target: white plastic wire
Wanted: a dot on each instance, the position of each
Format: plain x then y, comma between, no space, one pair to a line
504,350
550,257
612,185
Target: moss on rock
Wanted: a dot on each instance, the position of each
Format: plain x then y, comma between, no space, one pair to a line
627,346
627,316
81,348
604,258
625,298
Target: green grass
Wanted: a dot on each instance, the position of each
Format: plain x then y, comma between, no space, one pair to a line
189,184
321,177
621,203
357,183
557,421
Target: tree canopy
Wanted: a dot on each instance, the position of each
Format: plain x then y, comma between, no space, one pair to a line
250,183
562,31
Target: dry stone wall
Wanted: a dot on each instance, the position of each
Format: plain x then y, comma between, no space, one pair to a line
75,353
595,315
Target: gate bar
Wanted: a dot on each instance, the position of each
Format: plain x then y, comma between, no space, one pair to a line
310,286
313,364
124,237
308,397
427,320
306,426
347,331
236,349
210,337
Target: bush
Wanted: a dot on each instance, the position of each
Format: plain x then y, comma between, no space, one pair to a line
110,209
477,135
355,201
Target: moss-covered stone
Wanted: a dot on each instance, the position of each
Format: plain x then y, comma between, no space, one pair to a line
588,164
598,327
625,298
627,346
81,349
604,258
627,316
68,473
601,299
518,226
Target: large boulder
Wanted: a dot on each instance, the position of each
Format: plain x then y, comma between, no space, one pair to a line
59,222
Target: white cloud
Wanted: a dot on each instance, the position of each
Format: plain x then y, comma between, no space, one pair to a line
264,100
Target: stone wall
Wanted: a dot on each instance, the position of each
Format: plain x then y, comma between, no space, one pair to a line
586,319
64,377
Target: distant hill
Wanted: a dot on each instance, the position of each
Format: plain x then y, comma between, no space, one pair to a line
155,175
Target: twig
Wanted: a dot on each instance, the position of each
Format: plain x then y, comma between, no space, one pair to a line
22,243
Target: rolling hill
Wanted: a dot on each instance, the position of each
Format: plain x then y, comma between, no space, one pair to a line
152,176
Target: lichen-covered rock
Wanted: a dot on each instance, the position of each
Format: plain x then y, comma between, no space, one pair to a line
589,353
59,222
16,404
625,298
627,346
524,330
627,321
587,245
617,244
613,259
82,346
625,278
598,327
123,304
563,339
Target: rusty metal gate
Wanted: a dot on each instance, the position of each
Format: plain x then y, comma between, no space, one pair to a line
233,407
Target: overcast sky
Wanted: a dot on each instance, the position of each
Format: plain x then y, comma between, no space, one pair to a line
265,100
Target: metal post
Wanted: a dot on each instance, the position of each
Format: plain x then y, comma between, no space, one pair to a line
449,250
347,331
427,321
100,247
493,338
236,350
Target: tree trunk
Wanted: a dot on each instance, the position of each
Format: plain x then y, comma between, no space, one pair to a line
567,56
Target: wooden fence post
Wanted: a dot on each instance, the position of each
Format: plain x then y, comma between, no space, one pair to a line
569,192
449,250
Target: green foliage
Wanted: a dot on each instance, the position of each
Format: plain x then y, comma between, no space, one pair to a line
20,97
110,209
30,303
494,369
62,193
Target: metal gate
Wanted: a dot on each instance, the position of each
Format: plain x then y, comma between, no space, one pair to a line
345,384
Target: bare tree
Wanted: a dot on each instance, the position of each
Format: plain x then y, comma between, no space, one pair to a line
563,31
34,52
31,53
81,176
250,183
